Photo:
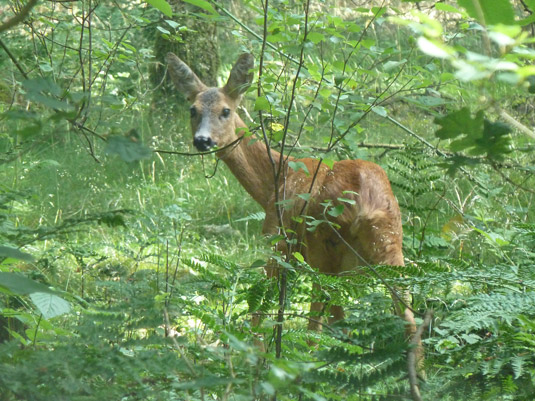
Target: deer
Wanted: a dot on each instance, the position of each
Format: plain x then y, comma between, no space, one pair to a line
367,232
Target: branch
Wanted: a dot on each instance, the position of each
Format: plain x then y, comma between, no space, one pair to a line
13,59
413,358
17,18
517,124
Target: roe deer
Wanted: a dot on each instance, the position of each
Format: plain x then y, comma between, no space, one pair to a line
370,224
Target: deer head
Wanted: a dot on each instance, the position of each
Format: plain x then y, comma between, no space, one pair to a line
213,110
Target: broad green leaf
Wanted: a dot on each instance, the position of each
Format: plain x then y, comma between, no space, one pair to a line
50,305
447,7
163,30
261,104
315,37
127,148
346,200
258,263
298,257
328,162
20,285
46,92
336,211
10,252
296,166
490,12
161,5
325,92
433,48
172,23
495,141
380,110
457,123
206,6
305,196
390,65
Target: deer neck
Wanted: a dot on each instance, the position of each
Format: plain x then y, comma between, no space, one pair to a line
250,163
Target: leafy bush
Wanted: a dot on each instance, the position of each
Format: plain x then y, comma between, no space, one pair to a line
125,273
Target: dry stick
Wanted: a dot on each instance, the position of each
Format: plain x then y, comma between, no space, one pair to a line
412,357
521,127
13,59
10,23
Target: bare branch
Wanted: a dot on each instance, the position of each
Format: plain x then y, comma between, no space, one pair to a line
17,18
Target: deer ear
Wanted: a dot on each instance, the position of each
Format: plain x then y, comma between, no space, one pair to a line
183,77
240,77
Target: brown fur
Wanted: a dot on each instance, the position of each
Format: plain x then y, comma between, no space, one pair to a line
371,226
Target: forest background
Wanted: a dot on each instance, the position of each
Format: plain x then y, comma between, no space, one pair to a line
129,270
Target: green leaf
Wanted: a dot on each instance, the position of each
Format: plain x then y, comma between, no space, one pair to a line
296,166
161,5
447,7
163,30
298,257
10,252
172,23
315,37
494,11
390,65
20,285
336,211
50,305
380,110
258,263
496,139
345,200
46,92
261,104
434,48
305,196
127,148
206,6
457,123
328,162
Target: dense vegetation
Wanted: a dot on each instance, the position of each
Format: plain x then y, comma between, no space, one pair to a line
130,270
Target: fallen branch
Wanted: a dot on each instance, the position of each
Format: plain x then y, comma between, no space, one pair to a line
517,124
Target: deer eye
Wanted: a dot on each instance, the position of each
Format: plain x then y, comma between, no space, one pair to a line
225,113
192,111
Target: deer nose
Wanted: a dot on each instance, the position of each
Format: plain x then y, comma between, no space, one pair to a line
203,143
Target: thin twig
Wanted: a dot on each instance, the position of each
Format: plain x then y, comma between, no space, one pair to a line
17,18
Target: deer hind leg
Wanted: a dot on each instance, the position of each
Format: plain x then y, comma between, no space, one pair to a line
380,239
